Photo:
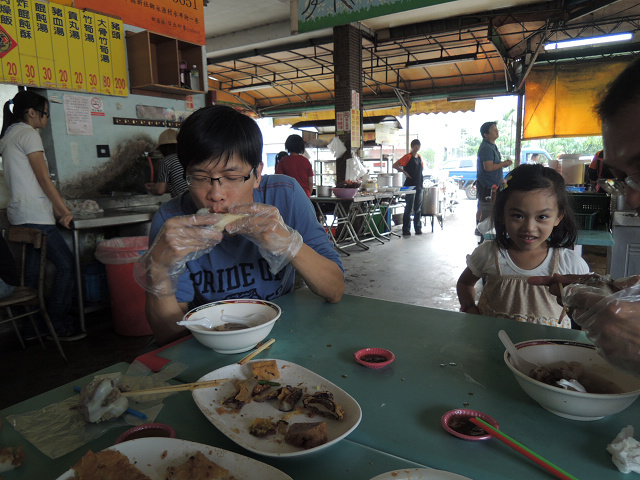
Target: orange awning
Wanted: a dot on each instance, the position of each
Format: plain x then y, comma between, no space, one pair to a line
560,98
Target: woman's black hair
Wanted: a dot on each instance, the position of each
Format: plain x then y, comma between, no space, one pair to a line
15,110
294,144
526,178
216,134
280,156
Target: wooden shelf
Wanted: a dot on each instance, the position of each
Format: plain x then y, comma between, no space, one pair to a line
154,64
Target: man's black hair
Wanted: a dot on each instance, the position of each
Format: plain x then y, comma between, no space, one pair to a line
216,134
621,92
485,127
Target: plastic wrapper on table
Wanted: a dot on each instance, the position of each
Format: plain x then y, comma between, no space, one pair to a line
60,428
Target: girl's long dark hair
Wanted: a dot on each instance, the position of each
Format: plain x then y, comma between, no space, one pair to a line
22,102
526,178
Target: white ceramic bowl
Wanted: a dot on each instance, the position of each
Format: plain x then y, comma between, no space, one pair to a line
567,403
234,341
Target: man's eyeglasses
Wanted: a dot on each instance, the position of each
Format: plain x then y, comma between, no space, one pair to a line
619,185
43,113
202,181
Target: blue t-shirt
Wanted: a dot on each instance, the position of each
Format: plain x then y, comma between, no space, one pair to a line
488,152
235,268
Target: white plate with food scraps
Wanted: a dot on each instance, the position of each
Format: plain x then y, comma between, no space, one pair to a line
235,425
152,456
419,474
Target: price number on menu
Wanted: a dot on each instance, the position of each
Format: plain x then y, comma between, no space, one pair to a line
47,74
120,83
187,3
79,78
30,72
63,75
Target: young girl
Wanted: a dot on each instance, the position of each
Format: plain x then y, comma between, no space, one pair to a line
35,201
535,231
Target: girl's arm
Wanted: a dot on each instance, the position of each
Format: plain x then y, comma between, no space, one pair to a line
39,167
466,288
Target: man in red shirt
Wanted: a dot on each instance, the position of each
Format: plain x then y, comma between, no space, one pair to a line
295,165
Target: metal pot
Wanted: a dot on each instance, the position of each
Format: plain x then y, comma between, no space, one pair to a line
323,190
398,179
385,180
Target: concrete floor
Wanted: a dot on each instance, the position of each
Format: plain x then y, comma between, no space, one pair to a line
418,270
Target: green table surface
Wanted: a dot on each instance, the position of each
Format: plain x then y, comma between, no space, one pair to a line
444,360
346,459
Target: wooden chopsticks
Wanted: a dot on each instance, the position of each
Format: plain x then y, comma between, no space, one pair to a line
262,347
175,388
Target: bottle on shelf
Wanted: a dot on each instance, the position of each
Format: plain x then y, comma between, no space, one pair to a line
195,78
185,77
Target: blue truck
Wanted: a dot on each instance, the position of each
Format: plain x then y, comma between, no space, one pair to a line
464,170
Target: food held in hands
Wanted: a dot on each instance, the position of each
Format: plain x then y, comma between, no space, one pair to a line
101,400
225,218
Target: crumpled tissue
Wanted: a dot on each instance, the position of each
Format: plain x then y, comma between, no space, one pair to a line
625,451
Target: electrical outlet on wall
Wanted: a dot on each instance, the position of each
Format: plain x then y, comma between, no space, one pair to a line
103,151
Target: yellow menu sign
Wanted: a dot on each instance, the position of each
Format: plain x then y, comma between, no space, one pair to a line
27,43
9,54
60,51
51,45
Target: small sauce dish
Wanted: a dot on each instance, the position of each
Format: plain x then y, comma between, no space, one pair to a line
374,357
457,423
147,430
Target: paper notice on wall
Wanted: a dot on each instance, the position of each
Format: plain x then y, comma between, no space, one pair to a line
77,113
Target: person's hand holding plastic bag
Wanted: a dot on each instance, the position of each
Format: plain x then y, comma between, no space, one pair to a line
180,240
611,322
277,242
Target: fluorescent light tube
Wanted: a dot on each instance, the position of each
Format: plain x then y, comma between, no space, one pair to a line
255,86
581,42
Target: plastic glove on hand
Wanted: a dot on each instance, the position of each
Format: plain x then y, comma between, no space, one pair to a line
180,240
277,242
613,325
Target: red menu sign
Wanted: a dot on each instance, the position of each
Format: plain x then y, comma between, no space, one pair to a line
181,19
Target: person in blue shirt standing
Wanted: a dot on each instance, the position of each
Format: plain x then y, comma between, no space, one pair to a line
190,262
489,164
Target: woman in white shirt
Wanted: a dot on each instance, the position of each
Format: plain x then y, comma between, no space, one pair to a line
35,202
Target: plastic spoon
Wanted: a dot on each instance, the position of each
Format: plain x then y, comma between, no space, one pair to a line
204,322
571,384
525,366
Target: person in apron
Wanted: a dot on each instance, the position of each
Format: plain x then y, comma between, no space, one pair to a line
535,231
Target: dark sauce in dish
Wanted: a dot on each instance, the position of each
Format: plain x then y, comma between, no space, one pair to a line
373,358
466,427
228,327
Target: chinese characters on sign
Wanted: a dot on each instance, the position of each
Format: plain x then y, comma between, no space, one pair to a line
181,19
50,45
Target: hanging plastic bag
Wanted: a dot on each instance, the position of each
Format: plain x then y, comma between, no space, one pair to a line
356,170
337,147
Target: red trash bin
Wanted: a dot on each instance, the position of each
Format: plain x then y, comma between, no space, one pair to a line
126,296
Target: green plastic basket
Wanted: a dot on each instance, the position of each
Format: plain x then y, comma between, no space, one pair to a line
586,205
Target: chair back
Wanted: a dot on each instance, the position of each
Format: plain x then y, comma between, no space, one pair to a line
25,236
